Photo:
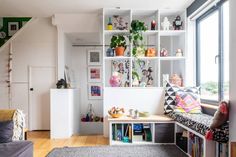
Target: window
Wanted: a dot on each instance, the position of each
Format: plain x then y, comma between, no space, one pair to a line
213,53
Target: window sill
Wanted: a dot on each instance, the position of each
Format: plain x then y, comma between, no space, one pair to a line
209,106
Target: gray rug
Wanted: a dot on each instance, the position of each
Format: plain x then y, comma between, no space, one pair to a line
119,151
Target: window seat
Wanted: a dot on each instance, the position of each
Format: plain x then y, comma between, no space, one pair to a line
201,124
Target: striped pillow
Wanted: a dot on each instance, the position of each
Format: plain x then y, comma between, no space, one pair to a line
187,102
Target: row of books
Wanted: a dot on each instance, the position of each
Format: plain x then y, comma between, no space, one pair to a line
222,150
123,132
196,145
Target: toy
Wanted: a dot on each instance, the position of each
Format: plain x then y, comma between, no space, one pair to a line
177,23
119,23
109,25
115,80
153,25
151,52
116,112
165,24
176,79
179,53
149,76
164,52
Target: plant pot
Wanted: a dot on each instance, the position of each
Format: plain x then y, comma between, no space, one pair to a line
119,51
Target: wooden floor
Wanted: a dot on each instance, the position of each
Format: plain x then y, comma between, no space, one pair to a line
43,144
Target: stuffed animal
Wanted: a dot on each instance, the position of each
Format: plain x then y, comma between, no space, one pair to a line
177,23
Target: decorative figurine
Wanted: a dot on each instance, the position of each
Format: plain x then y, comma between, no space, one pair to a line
149,76
61,84
136,114
109,25
153,25
110,52
151,52
179,53
164,52
177,23
115,80
119,23
165,24
176,79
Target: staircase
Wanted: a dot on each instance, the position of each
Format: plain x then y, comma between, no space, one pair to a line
6,54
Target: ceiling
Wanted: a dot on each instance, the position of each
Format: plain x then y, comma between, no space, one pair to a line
46,8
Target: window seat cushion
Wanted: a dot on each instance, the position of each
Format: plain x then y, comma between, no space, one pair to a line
201,124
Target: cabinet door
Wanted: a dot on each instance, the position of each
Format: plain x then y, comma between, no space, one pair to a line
164,132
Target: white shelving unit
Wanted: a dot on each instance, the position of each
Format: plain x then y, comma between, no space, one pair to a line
151,121
158,39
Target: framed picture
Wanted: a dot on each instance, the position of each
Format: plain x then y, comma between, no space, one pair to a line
94,57
94,74
95,91
13,27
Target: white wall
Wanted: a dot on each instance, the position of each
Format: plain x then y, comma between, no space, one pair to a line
73,23
4,91
35,46
232,85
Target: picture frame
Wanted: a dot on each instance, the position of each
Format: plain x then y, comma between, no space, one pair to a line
94,57
94,74
95,91
13,27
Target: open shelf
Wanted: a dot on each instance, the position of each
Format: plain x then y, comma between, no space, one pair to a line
117,58
172,58
157,38
113,32
172,32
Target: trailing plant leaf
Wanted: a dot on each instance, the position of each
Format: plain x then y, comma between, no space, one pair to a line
136,35
135,74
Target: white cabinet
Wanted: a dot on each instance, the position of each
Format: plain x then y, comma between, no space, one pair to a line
64,109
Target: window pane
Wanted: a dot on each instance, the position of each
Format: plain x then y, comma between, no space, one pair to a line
209,45
226,48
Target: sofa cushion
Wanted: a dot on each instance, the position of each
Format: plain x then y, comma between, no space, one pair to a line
17,149
201,124
6,131
170,95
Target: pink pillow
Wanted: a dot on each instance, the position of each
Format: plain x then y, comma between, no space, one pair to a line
187,102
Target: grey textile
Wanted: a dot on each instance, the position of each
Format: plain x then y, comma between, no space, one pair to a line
6,131
16,149
119,151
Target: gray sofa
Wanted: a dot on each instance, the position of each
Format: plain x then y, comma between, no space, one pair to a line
16,149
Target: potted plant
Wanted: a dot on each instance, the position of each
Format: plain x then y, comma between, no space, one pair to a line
118,42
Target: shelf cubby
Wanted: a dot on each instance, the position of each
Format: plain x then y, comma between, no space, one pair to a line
148,70
146,16
120,65
110,13
171,67
171,15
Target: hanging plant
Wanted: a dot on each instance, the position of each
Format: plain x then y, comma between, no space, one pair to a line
136,36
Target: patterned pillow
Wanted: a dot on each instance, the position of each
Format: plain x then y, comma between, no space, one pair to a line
187,102
170,92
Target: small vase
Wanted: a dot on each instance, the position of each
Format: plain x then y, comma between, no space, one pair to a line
120,51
